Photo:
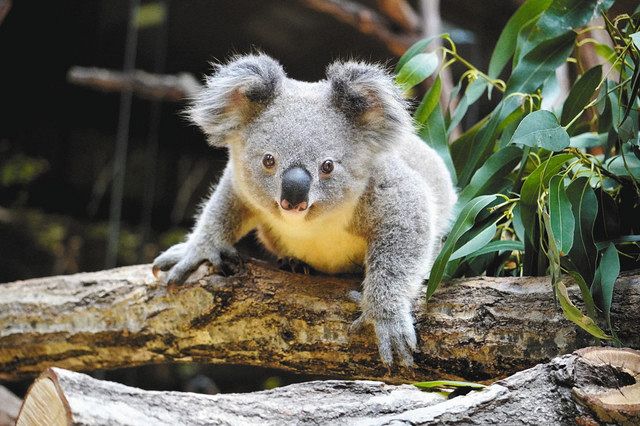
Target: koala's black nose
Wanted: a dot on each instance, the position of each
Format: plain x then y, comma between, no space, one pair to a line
296,182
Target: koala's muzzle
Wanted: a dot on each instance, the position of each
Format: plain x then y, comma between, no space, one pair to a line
296,182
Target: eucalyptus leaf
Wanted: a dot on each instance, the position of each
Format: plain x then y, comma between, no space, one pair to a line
476,243
585,209
541,129
588,140
561,216
605,279
418,47
501,245
541,62
581,93
506,45
533,186
497,166
572,313
464,222
448,384
434,134
428,103
417,69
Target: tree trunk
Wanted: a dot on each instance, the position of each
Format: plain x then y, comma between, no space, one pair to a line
476,329
551,393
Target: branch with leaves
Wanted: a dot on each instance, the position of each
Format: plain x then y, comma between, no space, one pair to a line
534,200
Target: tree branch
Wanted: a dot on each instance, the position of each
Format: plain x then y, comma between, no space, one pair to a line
365,20
150,86
478,328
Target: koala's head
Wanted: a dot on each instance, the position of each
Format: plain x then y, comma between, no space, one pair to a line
301,149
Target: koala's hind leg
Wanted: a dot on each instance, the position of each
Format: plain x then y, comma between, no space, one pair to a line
291,264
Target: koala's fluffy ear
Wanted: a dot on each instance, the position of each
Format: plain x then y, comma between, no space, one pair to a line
368,96
234,94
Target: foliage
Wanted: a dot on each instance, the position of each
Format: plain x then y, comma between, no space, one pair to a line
552,191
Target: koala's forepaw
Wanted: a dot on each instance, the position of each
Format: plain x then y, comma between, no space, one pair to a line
291,264
395,335
181,260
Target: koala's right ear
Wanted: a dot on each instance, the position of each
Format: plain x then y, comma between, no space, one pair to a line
234,94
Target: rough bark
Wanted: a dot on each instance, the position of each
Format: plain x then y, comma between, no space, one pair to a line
545,394
476,329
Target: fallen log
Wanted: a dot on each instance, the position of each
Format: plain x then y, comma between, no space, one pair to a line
553,393
475,329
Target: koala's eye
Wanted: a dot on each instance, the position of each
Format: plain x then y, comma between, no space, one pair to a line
327,167
268,161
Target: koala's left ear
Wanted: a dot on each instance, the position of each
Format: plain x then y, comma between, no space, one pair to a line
235,94
368,96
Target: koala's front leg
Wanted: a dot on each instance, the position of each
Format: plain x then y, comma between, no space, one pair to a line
223,221
398,260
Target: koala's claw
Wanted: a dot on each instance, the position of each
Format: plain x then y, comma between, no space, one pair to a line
181,261
231,263
294,265
395,335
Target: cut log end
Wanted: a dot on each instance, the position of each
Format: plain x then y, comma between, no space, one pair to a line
45,403
614,394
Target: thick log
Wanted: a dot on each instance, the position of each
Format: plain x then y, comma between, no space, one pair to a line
546,394
477,329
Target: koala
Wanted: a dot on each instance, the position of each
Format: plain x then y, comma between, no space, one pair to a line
330,174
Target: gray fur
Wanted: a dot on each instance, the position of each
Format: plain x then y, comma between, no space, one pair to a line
384,208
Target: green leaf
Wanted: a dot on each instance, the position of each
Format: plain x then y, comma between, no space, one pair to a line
497,166
464,222
635,37
541,129
560,214
605,279
586,294
506,45
418,47
433,132
533,186
581,93
588,140
562,16
417,69
541,62
477,242
620,240
625,164
572,313
436,384
501,245
585,209
428,103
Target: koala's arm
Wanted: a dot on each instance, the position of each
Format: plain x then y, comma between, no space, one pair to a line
224,219
397,223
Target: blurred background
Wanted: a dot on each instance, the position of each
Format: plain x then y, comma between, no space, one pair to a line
97,167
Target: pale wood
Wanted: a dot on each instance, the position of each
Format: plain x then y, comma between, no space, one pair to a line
478,328
545,394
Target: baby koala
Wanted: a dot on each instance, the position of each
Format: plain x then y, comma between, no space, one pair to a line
330,174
